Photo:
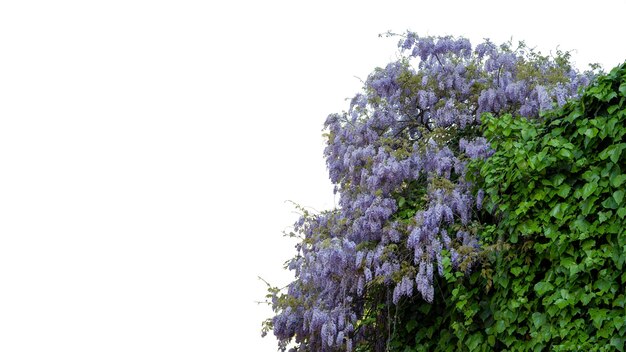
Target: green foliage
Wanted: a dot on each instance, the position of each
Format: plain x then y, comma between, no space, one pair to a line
455,321
560,207
553,269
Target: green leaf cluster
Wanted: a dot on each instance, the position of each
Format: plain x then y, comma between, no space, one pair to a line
553,269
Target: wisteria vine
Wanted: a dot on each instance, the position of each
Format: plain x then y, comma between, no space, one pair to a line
398,160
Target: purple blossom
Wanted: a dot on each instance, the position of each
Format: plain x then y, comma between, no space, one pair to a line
477,148
404,288
479,198
368,275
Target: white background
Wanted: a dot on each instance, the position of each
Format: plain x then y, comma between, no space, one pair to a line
148,148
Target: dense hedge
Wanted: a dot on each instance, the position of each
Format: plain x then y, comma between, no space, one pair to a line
554,232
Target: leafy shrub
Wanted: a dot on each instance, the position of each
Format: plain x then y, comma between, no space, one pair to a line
395,267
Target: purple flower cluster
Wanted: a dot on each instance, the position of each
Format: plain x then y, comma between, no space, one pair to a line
399,138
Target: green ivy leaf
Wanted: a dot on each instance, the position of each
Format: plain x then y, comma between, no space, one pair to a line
491,340
588,205
618,180
580,224
564,190
588,189
558,179
559,210
591,132
542,287
613,152
618,342
411,325
566,154
473,341
597,316
604,216
602,285
569,264
516,270
539,320
500,326
588,244
618,196
561,303
610,203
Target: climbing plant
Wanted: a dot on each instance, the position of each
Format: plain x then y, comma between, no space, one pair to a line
404,260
